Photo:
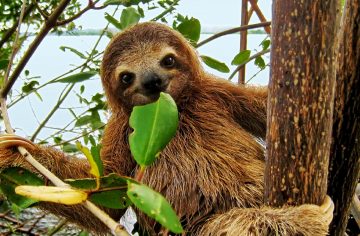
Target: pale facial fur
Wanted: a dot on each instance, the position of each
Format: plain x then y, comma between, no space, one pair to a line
141,67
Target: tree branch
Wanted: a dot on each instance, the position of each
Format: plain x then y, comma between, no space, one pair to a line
231,31
259,14
48,25
42,13
91,5
169,9
11,30
53,110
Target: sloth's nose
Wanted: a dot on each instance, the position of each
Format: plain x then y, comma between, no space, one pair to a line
153,83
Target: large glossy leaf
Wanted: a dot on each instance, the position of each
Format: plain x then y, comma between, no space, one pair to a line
215,64
154,126
191,29
155,206
241,57
115,199
129,16
60,195
76,78
14,176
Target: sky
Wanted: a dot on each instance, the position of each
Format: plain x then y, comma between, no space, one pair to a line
49,61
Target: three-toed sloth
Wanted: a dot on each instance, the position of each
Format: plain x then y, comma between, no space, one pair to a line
212,172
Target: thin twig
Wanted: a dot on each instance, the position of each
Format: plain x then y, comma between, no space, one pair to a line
58,227
164,13
78,137
261,16
232,31
248,60
91,5
52,112
101,215
15,46
13,28
12,103
48,25
43,13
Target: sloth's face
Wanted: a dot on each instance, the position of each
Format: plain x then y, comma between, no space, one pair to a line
145,71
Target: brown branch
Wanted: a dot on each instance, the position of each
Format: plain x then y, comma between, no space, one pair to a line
91,5
42,12
232,31
259,14
15,47
13,28
48,25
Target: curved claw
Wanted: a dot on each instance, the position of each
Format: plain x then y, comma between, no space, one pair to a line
327,208
10,141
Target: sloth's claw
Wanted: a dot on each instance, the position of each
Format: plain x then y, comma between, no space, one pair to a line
11,141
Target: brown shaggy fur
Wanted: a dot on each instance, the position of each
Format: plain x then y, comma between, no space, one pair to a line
212,171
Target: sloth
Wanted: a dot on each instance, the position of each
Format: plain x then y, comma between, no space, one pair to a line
212,171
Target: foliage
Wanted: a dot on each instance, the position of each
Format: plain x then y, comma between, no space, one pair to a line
89,115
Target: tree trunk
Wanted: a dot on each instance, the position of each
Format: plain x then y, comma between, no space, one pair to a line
301,94
345,148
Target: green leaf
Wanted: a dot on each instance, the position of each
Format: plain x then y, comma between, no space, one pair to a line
84,120
190,29
108,181
63,48
215,64
129,16
125,2
241,57
115,199
259,61
94,169
95,152
154,126
21,176
3,64
154,205
14,176
70,148
79,77
113,21
265,44
28,87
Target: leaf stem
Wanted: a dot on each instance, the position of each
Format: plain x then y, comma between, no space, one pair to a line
140,174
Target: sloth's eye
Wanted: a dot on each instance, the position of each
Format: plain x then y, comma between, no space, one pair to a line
127,78
168,61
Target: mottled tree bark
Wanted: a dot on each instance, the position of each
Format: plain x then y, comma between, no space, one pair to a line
345,148
300,105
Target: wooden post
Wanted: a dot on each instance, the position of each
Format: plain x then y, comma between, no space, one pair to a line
243,37
259,14
345,148
300,105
